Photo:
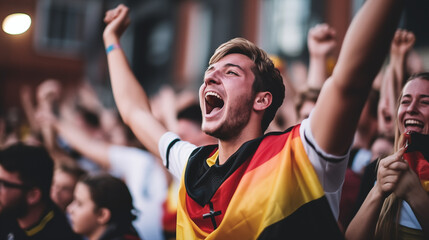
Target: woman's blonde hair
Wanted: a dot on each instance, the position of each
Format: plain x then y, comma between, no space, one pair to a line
388,221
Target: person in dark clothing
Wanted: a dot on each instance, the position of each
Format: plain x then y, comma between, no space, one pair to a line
26,209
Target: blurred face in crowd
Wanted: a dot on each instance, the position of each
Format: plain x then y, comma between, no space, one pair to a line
386,123
381,148
63,185
226,96
13,193
413,111
83,212
305,110
191,132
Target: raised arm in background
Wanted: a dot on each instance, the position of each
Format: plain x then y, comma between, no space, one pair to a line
48,100
337,111
393,81
402,44
321,42
95,150
29,107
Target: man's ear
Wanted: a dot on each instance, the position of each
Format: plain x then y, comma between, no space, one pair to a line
262,101
34,195
104,215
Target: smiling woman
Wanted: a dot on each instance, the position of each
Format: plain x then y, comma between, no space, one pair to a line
16,23
396,207
413,111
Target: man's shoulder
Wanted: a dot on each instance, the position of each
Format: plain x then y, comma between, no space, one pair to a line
282,134
9,229
54,225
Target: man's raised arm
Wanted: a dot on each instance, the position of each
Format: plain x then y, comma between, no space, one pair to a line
343,96
130,97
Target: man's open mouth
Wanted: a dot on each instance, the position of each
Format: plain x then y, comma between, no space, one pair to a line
213,101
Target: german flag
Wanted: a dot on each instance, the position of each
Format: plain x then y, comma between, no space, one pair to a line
267,190
417,155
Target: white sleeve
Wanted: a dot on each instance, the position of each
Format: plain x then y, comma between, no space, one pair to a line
123,159
174,153
330,169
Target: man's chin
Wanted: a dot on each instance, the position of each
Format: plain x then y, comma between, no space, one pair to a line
216,133
211,133
14,211
209,130
222,134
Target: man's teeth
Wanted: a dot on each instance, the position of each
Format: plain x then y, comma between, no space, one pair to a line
213,100
213,94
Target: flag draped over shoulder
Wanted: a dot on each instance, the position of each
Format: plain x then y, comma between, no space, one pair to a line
417,156
267,190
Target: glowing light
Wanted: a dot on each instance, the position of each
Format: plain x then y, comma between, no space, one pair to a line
16,23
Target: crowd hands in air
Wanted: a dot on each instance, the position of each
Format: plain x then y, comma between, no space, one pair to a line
105,175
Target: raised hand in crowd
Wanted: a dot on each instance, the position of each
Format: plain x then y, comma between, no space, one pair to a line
393,80
321,43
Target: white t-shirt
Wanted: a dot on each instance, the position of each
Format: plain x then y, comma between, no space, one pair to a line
331,173
147,183
408,219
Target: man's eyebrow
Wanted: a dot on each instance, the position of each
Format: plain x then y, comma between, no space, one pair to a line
226,65
209,68
234,65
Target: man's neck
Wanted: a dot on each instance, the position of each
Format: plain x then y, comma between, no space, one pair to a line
230,146
35,213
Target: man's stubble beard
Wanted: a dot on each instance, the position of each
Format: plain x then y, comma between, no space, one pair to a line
235,123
